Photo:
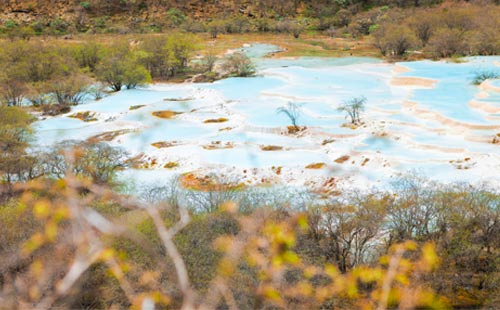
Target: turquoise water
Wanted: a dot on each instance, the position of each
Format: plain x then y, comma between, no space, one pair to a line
495,83
453,90
426,140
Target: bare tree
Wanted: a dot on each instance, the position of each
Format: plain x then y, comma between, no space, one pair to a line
352,108
208,61
292,111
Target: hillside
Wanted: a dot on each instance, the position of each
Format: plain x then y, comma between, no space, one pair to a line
152,10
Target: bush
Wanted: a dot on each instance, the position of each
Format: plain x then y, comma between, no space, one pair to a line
238,64
264,24
70,89
166,56
59,26
121,68
176,17
55,109
359,28
483,75
238,24
85,5
215,28
394,39
447,42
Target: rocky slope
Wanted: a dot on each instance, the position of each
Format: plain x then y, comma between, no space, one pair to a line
25,10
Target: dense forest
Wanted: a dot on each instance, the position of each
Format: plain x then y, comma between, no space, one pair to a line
73,236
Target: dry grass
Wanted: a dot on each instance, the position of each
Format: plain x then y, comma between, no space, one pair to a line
216,120
108,136
218,145
167,114
136,107
86,116
207,183
171,165
342,159
163,144
316,166
271,147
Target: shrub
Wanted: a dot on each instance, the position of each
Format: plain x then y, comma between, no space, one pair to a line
208,61
238,64
59,26
120,68
447,42
483,75
359,28
264,24
423,24
89,55
394,39
176,17
166,56
342,18
55,109
70,89
215,28
85,5
238,24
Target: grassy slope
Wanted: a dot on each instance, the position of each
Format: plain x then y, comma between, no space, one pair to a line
310,44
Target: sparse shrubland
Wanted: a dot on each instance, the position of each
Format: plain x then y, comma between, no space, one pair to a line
176,246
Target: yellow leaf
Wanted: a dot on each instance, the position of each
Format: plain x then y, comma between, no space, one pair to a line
107,254
429,256
291,257
51,231
226,268
331,271
302,221
37,268
35,242
271,293
41,209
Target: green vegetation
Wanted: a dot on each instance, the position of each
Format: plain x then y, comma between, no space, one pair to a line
239,65
53,77
484,75
15,133
120,68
